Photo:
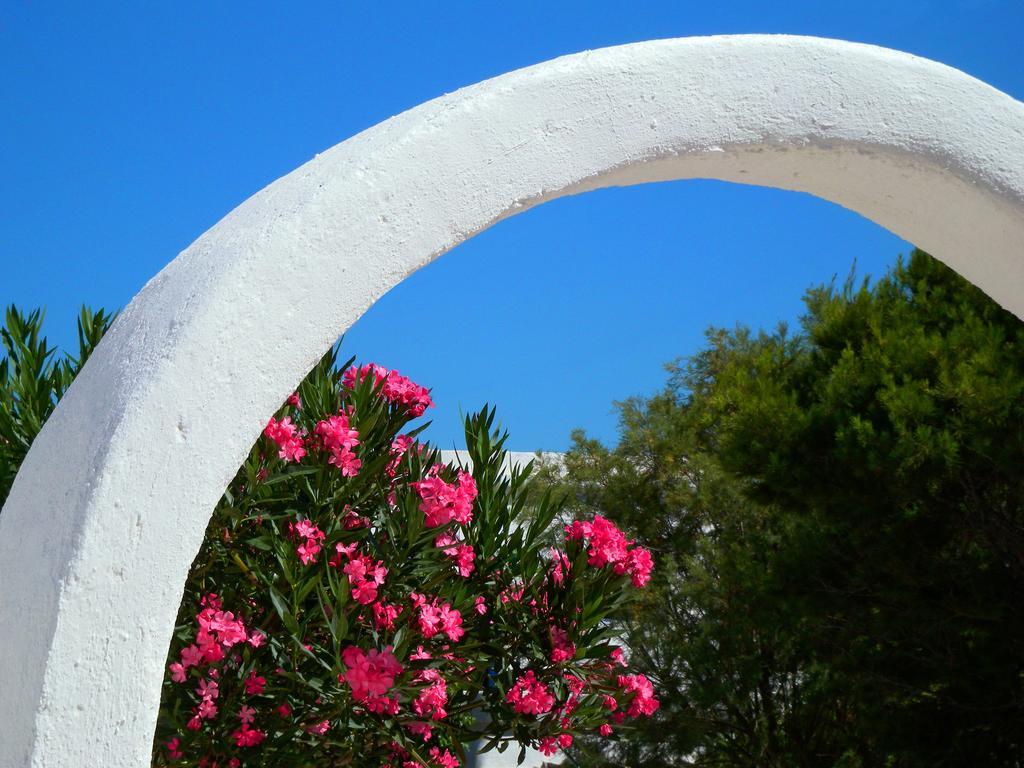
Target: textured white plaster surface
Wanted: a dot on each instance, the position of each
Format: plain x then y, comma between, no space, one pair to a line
110,505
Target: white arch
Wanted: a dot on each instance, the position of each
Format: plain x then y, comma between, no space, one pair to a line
110,505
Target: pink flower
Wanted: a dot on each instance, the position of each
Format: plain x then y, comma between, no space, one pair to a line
364,592
345,549
369,674
443,502
191,656
401,444
207,689
307,551
207,709
577,530
229,629
396,389
643,701
346,461
451,624
256,638
431,700
548,745
248,737
287,438
638,565
446,542
283,709
435,618
381,705
353,521
336,433
607,543
480,606
254,684
177,672
195,723
464,560
561,647
365,576
529,696
444,759
319,729
246,715
294,400
311,537
356,568
423,730
605,729
307,529
172,748
463,554
420,653
384,615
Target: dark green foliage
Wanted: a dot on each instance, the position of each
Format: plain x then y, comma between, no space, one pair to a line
33,377
843,509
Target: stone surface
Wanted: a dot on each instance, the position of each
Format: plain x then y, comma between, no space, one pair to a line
110,506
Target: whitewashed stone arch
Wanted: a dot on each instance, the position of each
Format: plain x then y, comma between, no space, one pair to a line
110,505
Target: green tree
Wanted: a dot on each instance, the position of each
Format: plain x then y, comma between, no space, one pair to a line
33,378
843,511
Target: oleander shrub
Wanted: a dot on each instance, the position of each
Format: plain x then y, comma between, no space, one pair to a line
357,601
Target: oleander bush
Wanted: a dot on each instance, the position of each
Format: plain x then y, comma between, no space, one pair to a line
359,602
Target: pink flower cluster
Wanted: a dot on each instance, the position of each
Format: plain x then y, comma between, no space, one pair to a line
607,545
385,615
529,696
643,701
432,699
339,439
444,759
287,437
552,744
435,618
365,576
562,648
441,759
370,676
310,539
218,630
462,553
247,736
397,389
443,502
254,684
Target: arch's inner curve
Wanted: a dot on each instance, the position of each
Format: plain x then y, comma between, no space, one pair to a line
110,506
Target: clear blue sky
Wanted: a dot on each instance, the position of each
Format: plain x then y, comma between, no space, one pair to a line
126,131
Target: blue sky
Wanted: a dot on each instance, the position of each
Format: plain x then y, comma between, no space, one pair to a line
126,130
